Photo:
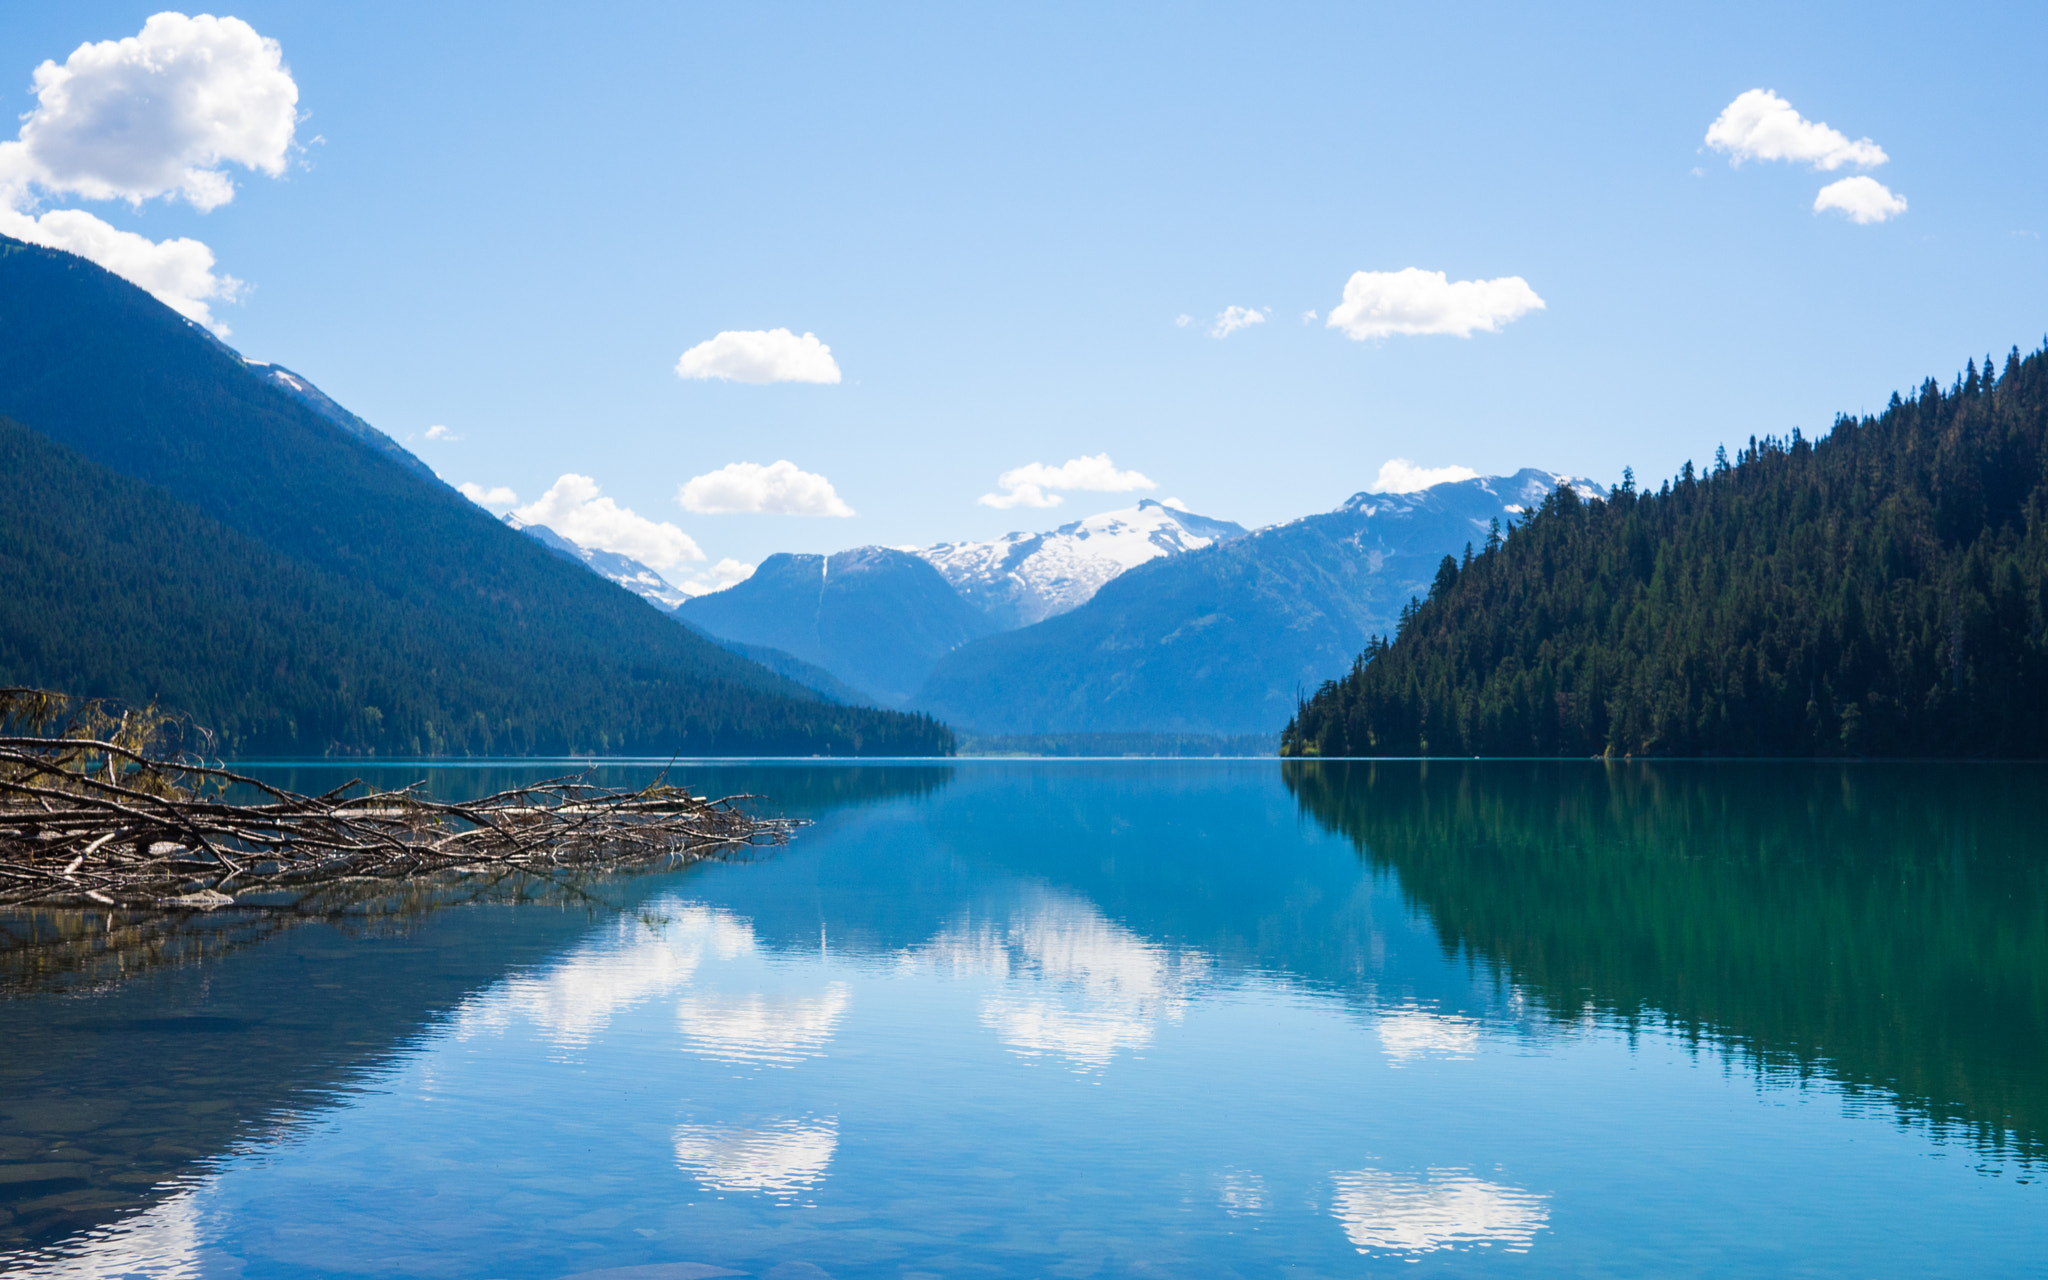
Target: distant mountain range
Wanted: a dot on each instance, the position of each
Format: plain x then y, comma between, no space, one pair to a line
875,617
184,525
1145,620
216,532
1022,578
609,565
1224,639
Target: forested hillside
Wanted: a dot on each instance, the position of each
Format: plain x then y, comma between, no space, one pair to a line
1877,593
1224,639
226,548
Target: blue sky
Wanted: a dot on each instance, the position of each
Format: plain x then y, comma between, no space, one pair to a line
511,220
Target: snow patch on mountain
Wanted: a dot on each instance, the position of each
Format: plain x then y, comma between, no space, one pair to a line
1479,501
301,389
1022,578
609,565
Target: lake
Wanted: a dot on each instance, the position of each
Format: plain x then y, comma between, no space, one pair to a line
1090,1018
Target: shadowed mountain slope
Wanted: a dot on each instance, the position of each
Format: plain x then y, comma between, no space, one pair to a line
385,614
874,617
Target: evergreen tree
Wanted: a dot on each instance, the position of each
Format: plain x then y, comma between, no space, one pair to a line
1879,593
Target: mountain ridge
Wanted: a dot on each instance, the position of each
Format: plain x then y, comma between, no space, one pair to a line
1878,592
874,617
1225,639
514,650
1022,578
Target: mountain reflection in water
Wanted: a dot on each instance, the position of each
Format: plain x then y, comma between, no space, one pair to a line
1103,1018
1884,926
142,1047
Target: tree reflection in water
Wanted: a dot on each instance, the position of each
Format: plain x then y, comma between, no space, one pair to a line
1884,926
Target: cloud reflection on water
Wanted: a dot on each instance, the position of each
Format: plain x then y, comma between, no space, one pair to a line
1073,983
162,1242
1241,1194
774,1031
780,1158
1446,1208
1410,1034
634,960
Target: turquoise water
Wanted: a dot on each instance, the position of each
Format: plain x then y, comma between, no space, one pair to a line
1188,1018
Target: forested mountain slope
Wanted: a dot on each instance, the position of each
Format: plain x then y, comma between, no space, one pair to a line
875,617
314,579
1877,593
1226,638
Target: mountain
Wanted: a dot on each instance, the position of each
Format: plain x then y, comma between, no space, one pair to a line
180,525
877,618
658,591
874,617
302,390
1225,639
613,567
1022,578
1883,592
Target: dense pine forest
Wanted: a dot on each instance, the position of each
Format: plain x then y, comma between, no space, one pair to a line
174,527
110,586
1879,592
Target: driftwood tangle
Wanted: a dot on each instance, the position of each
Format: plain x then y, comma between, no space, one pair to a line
99,813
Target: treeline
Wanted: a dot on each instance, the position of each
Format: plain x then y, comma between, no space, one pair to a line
1877,593
111,587
174,526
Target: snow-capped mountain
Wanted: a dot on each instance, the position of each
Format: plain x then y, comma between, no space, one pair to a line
609,565
1478,501
1022,578
1225,639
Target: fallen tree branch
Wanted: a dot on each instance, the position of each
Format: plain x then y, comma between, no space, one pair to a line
96,813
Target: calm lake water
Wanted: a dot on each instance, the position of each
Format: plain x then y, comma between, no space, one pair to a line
1192,1018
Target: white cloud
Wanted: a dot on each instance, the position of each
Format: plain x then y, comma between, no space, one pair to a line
1174,503
727,572
1378,303
496,496
1183,320
1309,316
572,508
162,113
180,272
1760,125
158,114
1398,475
748,488
1027,486
440,432
1864,200
1231,319
760,357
